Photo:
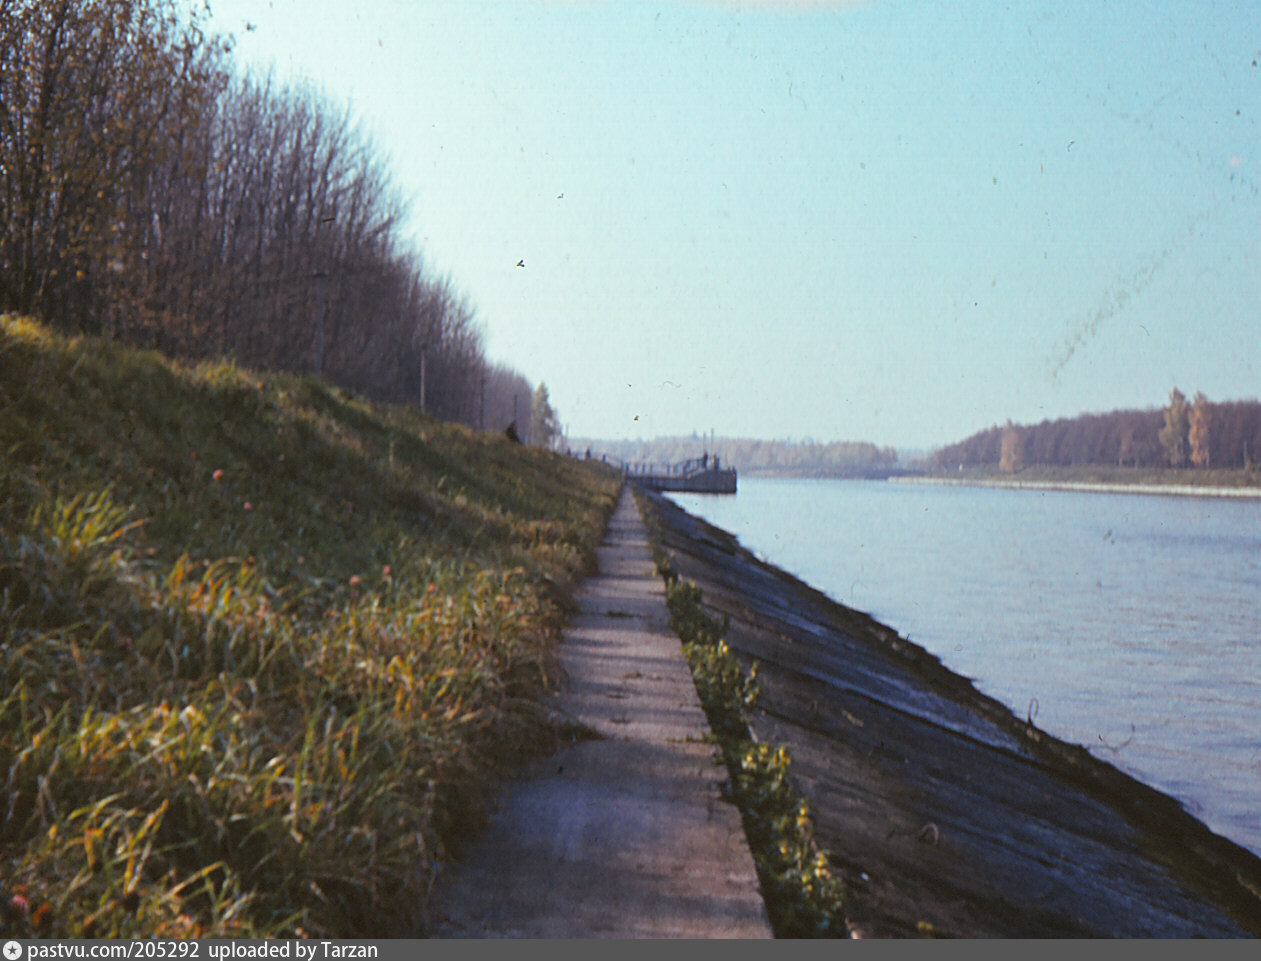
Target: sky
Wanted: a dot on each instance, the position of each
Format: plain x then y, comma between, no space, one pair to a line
900,221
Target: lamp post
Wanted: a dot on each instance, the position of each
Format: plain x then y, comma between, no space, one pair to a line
322,277
424,352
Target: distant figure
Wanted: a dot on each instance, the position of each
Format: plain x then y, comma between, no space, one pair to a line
715,462
588,453
511,433
705,461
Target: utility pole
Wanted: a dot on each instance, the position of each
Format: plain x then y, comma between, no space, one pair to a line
322,277
424,350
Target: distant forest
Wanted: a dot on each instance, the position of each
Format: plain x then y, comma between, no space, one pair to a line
1196,433
753,457
151,192
1185,433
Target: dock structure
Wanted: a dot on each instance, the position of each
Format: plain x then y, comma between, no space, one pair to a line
700,475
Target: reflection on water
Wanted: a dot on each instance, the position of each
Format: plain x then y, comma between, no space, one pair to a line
1128,624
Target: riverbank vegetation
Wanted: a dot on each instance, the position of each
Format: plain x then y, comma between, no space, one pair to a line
263,644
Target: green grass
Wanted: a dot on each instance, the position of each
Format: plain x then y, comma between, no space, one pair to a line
264,647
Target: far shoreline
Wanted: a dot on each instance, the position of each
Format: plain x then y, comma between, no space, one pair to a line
1088,487
1221,483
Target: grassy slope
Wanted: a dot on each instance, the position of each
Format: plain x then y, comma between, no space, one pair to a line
262,645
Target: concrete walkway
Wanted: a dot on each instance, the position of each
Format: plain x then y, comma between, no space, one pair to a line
626,835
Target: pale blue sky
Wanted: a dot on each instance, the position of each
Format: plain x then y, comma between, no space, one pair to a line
892,221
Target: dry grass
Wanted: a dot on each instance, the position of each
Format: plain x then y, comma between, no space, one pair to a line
263,646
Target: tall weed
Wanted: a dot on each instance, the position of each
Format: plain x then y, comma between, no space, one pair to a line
264,648
803,897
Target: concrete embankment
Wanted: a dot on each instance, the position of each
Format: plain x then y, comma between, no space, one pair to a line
943,811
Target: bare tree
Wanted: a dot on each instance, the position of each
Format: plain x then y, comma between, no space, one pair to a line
90,90
149,191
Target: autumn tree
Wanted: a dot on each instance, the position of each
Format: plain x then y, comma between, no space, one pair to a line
1229,435
1200,420
544,426
1173,436
1012,456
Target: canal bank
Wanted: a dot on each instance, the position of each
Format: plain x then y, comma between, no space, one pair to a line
942,811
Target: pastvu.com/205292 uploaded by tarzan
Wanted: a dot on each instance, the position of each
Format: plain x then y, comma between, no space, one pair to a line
161,950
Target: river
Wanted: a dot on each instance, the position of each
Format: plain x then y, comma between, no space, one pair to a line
1129,624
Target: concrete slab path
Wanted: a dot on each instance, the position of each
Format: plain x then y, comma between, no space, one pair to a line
626,835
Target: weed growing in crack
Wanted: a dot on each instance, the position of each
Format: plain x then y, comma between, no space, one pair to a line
803,897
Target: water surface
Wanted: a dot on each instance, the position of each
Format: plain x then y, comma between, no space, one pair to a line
1126,623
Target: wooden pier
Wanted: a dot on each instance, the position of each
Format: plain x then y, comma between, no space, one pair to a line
701,475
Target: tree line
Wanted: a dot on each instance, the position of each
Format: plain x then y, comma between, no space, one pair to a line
752,456
152,192
1196,433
